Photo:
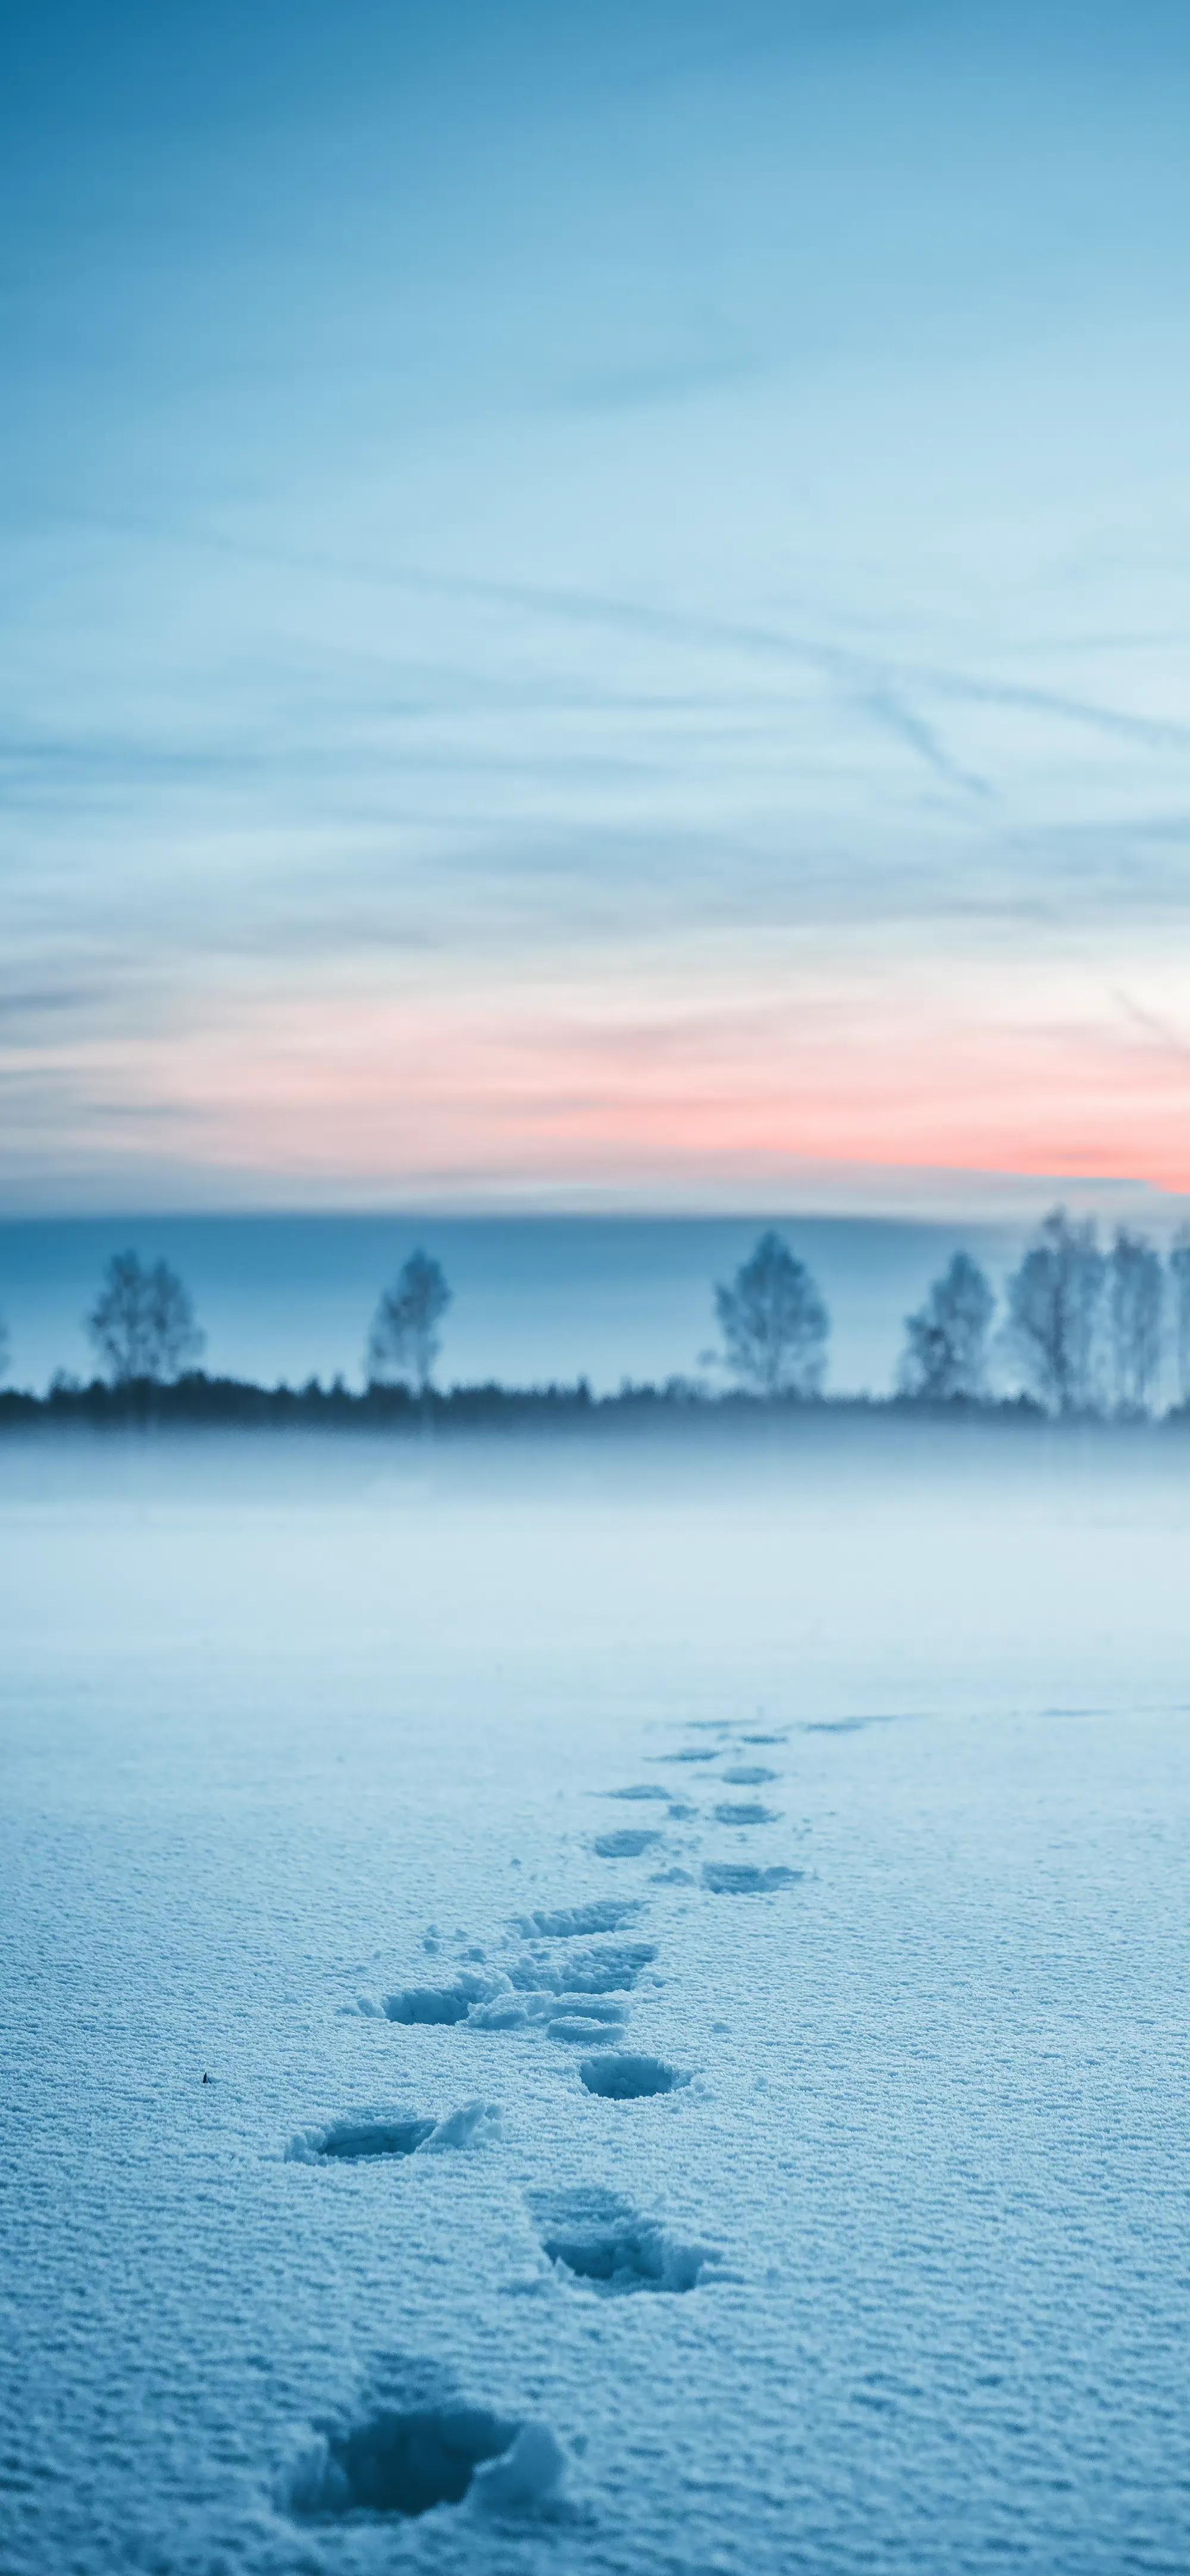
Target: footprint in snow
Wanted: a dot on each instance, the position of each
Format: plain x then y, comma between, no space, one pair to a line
611,1967
742,1878
619,2077
745,1811
561,2016
371,2136
748,1775
559,1989
570,1922
354,2141
588,2022
651,1789
418,2445
441,2005
591,2235
626,1844
844,1725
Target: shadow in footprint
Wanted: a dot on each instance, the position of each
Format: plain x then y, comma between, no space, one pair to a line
421,2445
595,2237
746,1811
844,1725
621,2078
372,2135
592,2022
741,1878
353,2141
566,1922
651,1789
627,1844
613,1970
435,2004
579,2014
748,1775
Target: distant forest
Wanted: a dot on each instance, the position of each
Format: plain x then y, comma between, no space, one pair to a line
1084,1331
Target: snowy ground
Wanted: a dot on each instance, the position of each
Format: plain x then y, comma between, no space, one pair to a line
892,2276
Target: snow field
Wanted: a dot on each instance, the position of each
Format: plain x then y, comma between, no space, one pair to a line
702,2218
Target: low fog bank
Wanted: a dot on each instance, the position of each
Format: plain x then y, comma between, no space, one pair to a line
906,1567
711,1459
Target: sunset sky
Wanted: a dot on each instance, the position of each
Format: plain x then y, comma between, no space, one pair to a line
594,603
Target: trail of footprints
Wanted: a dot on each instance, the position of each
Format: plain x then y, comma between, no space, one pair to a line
419,2443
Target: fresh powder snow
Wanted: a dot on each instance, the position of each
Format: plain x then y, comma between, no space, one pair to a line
578,2012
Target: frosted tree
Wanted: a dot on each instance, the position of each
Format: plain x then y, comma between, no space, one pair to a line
142,1326
1179,1272
946,1341
773,1321
405,1341
1055,1299
1136,1305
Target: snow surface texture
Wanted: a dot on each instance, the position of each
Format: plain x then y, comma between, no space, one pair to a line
803,2190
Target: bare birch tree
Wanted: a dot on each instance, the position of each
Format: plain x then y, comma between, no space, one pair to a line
1179,1271
405,1342
1136,1304
142,1325
774,1324
946,1341
1055,1298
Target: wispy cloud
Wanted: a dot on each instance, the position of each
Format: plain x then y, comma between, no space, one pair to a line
1153,1024
598,601
1151,733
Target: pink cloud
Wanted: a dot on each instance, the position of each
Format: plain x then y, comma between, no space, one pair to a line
460,1098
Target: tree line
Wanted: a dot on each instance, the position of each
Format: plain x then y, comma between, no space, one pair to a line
1084,1329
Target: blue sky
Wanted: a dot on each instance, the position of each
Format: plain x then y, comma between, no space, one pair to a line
593,604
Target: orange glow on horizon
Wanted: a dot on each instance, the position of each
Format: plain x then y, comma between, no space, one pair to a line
456,1100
